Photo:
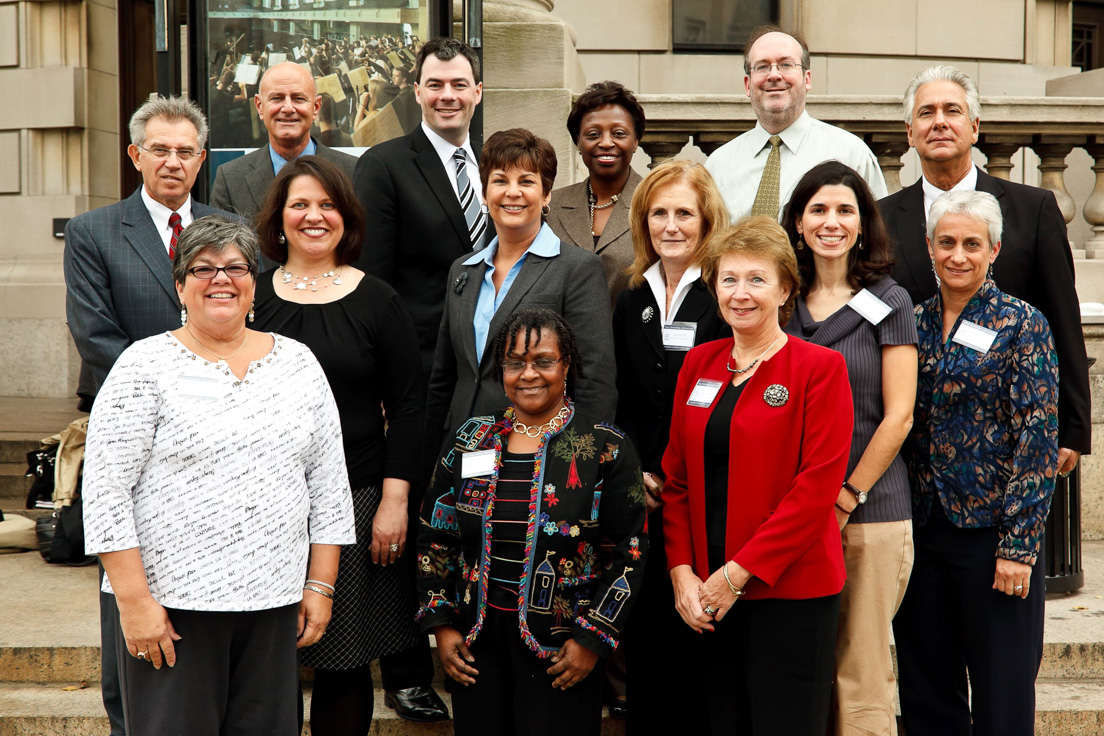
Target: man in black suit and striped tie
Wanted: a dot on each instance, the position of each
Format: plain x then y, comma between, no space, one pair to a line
422,199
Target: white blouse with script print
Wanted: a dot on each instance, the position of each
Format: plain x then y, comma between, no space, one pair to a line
221,484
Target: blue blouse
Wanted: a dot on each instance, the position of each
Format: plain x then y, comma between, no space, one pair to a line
985,430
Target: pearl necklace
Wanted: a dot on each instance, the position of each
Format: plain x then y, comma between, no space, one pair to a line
592,202
728,363
222,360
301,282
532,431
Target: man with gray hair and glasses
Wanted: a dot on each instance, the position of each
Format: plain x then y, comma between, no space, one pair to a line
758,170
942,112
118,278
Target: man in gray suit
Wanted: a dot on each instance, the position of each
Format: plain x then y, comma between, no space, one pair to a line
287,103
118,278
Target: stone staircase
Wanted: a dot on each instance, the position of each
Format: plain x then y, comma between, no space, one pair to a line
49,627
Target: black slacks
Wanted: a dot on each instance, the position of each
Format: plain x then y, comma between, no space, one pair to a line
767,668
513,693
952,624
109,662
235,675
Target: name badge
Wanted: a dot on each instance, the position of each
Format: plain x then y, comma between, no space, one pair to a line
974,336
474,464
704,392
873,309
679,336
201,388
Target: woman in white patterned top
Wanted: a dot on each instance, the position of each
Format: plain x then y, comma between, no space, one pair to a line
214,486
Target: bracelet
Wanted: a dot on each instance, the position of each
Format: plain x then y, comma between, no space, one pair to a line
324,585
842,509
320,591
735,591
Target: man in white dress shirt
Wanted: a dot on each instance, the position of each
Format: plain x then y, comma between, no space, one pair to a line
777,78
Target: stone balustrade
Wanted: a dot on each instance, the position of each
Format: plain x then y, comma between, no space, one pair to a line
1051,127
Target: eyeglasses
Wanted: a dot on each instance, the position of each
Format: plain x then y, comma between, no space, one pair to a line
540,364
762,69
184,154
234,271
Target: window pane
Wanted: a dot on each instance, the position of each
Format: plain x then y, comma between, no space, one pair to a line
717,25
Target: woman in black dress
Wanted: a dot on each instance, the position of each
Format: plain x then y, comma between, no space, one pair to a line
665,311
355,324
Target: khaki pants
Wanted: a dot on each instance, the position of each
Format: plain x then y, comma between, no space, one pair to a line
879,558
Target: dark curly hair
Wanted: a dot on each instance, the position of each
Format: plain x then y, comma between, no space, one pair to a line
269,220
600,94
531,322
865,265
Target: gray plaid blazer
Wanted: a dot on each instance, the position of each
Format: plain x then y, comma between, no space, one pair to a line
118,283
241,184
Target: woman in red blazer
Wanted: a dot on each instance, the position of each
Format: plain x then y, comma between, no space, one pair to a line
760,435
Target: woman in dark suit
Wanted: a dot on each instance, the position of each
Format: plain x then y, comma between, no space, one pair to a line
525,267
675,211
760,433
606,124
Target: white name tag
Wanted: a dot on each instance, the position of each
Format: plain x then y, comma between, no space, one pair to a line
974,336
704,392
474,464
873,309
202,388
679,336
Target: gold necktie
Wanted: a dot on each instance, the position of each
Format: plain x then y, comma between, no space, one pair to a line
766,199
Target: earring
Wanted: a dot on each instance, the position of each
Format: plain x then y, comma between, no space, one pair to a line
800,243
989,275
251,315
183,315
545,210
938,283
859,243
281,239
484,209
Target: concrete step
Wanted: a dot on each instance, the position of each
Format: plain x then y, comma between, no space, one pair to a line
48,710
15,450
14,481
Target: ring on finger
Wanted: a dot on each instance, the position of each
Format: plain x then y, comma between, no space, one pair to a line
394,548
142,655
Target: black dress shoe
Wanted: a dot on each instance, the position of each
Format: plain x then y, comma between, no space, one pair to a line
619,708
419,704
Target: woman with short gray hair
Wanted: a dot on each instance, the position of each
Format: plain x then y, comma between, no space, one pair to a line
216,495
982,457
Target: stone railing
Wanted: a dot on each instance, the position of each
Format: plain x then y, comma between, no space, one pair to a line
1051,127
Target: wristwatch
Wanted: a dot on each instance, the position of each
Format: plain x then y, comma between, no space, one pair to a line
860,496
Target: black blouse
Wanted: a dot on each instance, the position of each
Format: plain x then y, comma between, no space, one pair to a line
718,433
368,349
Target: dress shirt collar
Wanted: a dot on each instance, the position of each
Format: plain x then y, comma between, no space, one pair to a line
160,215
654,277
445,150
546,244
278,161
932,192
791,136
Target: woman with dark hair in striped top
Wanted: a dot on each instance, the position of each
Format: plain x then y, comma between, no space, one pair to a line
848,302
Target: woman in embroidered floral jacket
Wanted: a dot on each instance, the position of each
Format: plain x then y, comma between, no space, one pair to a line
982,458
532,546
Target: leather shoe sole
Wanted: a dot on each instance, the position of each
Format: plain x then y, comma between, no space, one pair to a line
419,704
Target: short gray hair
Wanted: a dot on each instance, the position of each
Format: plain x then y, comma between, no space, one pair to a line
980,206
171,109
943,73
215,233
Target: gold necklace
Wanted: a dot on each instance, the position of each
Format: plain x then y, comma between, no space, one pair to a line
222,360
532,431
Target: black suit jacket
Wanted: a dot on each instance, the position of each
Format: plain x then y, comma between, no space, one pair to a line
646,372
1035,264
416,229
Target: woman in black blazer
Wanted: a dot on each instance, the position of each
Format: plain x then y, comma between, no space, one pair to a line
665,311
525,267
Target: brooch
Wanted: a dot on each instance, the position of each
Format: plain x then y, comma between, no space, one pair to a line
458,284
646,315
776,395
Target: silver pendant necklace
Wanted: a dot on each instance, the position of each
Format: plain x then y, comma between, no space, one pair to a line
302,282
738,371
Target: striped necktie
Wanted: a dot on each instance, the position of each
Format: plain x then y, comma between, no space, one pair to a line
766,199
174,223
477,221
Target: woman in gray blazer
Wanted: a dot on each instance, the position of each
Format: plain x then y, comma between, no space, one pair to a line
525,267
606,124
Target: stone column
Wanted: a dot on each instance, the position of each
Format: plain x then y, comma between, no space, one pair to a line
663,146
889,148
1093,210
1052,152
999,151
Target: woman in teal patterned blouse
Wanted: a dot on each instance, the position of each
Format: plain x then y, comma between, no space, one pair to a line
982,458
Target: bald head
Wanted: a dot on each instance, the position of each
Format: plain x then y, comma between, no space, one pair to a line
287,102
